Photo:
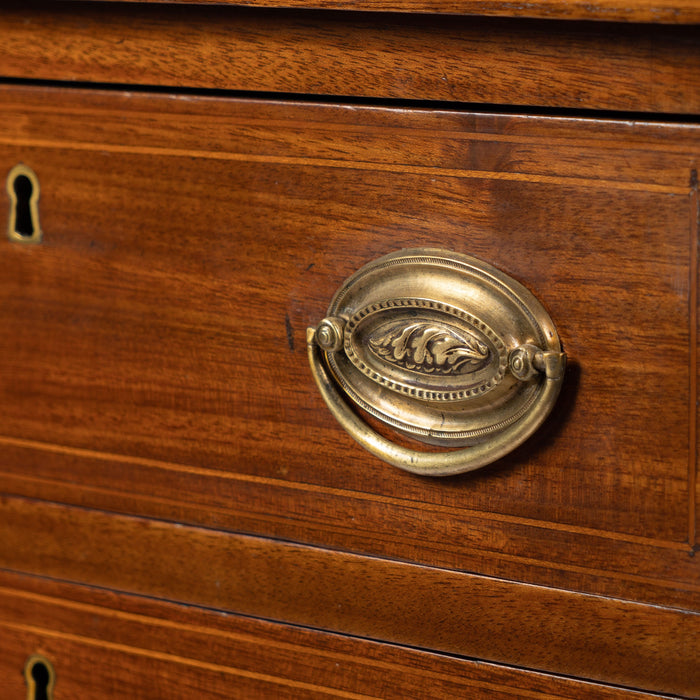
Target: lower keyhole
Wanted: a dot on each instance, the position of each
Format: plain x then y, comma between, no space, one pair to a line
39,675
24,225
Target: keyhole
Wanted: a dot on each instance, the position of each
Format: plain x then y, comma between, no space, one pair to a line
39,675
23,188
23,215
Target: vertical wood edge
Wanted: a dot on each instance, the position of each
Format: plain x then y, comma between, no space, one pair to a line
693,493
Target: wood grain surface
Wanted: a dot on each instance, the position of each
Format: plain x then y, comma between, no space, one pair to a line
110,645
536,64
590,637
153,345
672,11
179,514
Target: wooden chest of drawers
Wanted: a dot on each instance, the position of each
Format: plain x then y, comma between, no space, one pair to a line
181,516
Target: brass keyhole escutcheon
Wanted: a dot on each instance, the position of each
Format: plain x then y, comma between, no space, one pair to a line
23,189
39,677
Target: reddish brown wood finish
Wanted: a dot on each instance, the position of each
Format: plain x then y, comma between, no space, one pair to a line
189,243
590,637
659,11
125,645
542,64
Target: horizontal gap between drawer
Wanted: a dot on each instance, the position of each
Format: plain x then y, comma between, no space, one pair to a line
482,108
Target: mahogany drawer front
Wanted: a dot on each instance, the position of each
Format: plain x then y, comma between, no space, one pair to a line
487,60
155,361
570,634
106,645
154,343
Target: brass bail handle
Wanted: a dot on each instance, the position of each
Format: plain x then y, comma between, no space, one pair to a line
442,347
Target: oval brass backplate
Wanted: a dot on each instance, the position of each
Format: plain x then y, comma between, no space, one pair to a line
443,348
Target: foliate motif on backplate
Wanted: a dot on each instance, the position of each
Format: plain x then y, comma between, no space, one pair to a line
425,349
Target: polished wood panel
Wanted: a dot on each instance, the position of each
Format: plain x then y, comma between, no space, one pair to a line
179,515
190,242
506,546
647,647
660,11
541,64
117,645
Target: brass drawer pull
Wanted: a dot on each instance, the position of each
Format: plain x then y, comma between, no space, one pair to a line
442,347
